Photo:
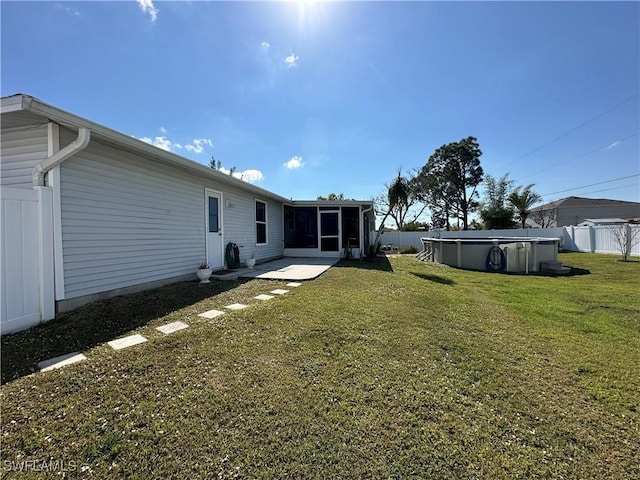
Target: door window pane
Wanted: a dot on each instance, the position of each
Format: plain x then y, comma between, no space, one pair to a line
213,214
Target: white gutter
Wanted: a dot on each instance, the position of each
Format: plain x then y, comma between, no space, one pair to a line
80,143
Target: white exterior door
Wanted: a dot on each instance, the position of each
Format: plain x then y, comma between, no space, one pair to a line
213,229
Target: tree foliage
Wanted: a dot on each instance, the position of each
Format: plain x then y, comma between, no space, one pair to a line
401,202
217,165
396,200
332,197
494,209
449,181
522,199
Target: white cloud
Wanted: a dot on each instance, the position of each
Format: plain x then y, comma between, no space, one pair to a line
69,10
147,7
198,145
249,176
294,162
265,46
160,142
291,60
614,144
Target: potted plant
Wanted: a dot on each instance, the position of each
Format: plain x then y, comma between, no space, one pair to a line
251,261
203,272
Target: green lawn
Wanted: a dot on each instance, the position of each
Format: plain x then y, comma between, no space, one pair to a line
374,370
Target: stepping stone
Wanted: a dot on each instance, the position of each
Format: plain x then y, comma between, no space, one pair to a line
60,361
172,327
279,291
263,297
126,342
236,306
211,314
293,284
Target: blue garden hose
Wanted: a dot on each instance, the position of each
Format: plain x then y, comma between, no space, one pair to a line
496,261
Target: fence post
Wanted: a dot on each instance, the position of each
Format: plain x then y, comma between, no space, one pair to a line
592,239
45,252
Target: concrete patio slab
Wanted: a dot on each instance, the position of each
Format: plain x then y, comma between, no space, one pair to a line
127,342
236,306
172,327
290,269
211,314
293,284
60,361
279,291
263,297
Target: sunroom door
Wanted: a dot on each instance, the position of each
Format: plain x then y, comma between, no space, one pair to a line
213,220
329,231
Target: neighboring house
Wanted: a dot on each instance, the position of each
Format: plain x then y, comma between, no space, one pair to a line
105,213
592,222
574,210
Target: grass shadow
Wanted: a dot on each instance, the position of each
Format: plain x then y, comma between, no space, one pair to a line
575,271
99,322
434,278
380,262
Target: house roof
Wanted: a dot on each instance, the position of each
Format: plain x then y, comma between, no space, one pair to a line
23,110
604,220
584,202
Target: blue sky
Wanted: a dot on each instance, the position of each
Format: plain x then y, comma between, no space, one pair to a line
309,98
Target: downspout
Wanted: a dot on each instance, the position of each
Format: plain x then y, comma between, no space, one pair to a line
80,143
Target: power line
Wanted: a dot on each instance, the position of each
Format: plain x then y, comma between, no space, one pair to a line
571,131
608,189
591,185
604,147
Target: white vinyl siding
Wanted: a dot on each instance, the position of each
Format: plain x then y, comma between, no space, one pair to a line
128,220
239,225
22,149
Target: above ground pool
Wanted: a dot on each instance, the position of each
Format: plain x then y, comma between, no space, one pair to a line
492,254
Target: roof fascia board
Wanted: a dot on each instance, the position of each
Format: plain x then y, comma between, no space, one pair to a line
12,104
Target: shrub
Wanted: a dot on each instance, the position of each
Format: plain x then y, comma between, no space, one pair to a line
408,249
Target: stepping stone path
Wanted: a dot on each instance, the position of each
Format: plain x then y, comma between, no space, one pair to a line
167,329
172,327
264,297
279,291
126,342
211,314
60,361
236,306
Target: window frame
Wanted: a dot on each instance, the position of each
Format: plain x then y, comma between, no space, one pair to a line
264,222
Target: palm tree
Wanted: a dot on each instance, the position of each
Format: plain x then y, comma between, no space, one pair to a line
397,194
523,200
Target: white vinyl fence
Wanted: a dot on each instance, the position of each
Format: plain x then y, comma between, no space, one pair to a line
600,238
26,293
597,239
